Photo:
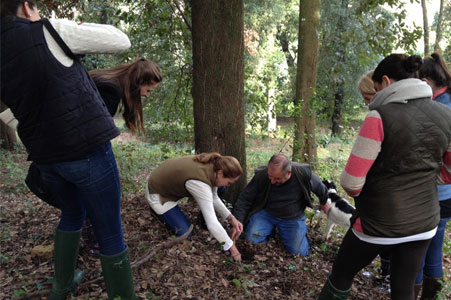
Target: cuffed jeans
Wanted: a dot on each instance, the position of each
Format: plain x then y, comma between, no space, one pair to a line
293,232
432,262
91,186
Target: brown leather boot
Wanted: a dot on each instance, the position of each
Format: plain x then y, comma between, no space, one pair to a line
431,286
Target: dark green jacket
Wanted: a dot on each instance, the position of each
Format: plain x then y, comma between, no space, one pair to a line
255,195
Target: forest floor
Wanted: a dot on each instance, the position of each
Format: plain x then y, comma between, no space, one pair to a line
191,269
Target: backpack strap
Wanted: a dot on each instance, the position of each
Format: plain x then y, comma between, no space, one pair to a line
58,38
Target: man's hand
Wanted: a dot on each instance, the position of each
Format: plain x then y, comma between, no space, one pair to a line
325,208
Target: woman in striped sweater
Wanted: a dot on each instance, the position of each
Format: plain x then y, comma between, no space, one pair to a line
403,149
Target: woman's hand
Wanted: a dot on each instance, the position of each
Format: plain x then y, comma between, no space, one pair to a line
236,255
237,228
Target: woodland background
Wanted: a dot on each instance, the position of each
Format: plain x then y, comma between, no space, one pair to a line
244,78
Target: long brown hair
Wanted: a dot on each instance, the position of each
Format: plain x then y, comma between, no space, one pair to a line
229,165
130,77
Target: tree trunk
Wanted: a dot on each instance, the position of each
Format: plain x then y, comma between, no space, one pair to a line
438,31
284,44
338,108
218,81
8,138
304,148
425,28
272,118
338,76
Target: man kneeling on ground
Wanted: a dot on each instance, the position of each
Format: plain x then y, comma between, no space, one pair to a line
277,196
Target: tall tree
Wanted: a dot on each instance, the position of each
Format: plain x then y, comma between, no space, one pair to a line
218,80
304,148
425,28
438,31
339,81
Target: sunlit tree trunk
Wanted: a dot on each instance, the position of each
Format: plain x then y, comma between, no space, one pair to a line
438,31
425,28
304,148
339,83
218,80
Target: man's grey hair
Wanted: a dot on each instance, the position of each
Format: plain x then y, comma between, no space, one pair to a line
280,161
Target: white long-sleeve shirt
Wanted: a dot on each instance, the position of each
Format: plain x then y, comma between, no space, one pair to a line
85,38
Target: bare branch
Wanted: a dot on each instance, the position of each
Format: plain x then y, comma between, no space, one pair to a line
181,13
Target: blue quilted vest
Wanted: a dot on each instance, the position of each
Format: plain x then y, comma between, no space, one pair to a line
61,114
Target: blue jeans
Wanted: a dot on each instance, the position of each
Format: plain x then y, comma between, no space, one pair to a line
89,186
293,232
432,262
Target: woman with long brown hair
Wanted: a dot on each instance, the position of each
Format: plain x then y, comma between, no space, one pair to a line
125,84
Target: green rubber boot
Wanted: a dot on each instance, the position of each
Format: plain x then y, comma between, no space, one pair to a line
66,277
329,292
118,276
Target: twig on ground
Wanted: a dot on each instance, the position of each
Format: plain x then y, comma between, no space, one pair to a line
169,243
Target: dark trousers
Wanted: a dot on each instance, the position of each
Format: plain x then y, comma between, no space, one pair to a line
355,254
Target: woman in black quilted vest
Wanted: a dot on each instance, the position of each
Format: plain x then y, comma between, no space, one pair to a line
66,129
124,85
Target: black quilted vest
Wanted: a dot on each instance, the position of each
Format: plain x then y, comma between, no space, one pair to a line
61,114
399,197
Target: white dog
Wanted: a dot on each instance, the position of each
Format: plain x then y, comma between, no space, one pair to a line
340,209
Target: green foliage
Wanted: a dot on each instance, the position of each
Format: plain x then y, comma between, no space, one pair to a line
4,260
442,294
157,31
447,242
292,268
18,293
267,74
12,164
243,283
152,296
136,159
